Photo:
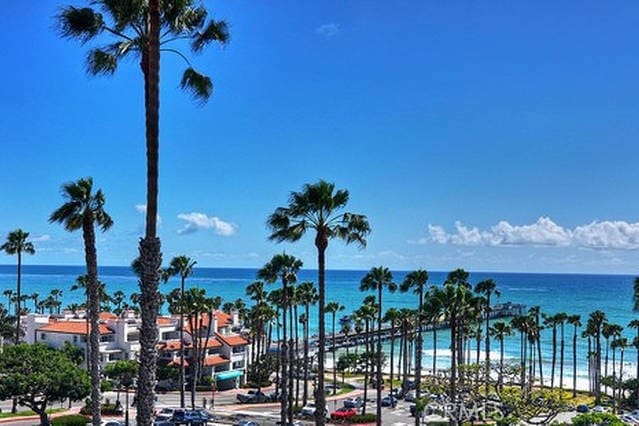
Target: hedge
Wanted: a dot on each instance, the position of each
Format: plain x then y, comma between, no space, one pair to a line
70,420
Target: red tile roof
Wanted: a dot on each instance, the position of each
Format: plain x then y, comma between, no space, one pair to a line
72,327
213,360
164,320
174,345
234,340
177,363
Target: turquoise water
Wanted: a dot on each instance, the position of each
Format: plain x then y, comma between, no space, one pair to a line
570,293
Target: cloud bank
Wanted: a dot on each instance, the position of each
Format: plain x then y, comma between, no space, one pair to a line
197,221
327,30
606,234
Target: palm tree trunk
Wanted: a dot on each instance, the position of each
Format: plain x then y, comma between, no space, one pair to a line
297,364
94,308
18,291
334,357
378,358
150,247
321,243
574,363
488,310
621,376
305,389
182,369
284,357
561,359
291,364
392,354
418,354
501,363
366,364
435,349
539,358
554,357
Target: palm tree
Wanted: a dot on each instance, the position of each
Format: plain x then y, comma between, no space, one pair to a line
561,319
11,298
596,321
333,308
456,296
308,296
393,317
316,207
535,312
183,266
377,279
366,313
144,29
500,330
17,244
575,321
551,322
416,281
433,309
487,288
84,209
285,268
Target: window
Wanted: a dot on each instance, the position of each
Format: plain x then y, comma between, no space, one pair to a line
75,339
43,336
238,364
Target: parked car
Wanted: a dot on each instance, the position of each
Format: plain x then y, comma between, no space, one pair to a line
247,423
308,409
410,396
389,401
111,423
274,396
353,402
252,396
343,413
409,384
161,423
582,408
599,409
165,413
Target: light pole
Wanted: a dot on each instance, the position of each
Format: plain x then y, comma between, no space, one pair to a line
126,402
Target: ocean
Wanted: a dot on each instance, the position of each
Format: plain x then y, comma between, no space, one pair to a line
569,293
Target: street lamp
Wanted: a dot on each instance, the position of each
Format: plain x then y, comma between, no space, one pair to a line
126,382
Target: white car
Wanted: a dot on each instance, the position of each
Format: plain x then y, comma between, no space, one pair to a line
308,409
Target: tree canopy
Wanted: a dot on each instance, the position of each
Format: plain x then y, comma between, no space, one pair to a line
37,375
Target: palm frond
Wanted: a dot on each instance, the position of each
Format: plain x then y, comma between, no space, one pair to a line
198,85
80,23
217,31
179,16
101,62
124,13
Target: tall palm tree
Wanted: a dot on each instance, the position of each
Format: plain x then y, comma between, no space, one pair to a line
182,266
433,310
393,317
35,296
333,308
551,322
487,288
377,279
575,321
456,296
308,296
11,298
500,330
285,268
561,319
317,208
84,209
415,281
144,29
596,321
535,312
366,313
17,244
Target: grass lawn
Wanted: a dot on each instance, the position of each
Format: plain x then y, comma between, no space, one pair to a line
29,413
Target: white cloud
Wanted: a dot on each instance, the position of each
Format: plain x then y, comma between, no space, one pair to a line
41,238
141,208
607,234
196,221
327,30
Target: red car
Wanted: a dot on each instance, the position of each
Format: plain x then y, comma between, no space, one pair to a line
343,413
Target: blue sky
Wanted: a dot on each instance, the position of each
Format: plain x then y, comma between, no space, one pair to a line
495,136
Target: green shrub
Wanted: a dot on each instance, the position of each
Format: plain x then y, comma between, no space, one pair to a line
363,418
70,420
106,386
